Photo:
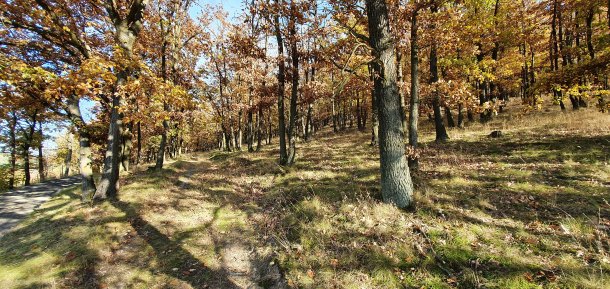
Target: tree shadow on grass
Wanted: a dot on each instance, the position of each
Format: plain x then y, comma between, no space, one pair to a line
46,235
174,260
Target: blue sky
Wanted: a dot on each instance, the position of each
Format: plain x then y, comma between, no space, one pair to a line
233,7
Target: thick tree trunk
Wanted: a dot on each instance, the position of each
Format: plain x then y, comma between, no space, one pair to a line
126,32
396,184
109,183
414,101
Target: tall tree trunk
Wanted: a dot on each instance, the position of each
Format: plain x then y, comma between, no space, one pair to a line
126,32
41,172
139,152
374,112
270,125
239,132
13,146
259,128
126,145
26,164
281,80
460,122
403,109
414,101
396,184
439,125
292,129
450,122
308,121
109,183
162,145
250,132
589,32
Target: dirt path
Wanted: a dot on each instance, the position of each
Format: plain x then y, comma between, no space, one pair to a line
17,204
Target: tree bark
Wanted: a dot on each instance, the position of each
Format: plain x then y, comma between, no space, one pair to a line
374,112
13,146
396,184
439,125
292,130
259,128
139,149
126,32
162,145
414,101
450,122
403,109
41,171
281,79
589,32
126,146
460,123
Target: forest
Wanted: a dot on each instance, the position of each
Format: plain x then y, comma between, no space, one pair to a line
304,144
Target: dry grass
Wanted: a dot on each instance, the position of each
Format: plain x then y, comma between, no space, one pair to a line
529,210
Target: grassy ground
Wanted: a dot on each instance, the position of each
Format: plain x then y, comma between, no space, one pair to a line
529,210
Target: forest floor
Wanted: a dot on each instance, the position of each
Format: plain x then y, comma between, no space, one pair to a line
528,210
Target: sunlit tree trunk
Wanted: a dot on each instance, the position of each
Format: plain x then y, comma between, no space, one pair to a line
126,32
396,184
292,129
41,171
414,101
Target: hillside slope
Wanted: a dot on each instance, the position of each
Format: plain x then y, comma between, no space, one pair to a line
527,210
